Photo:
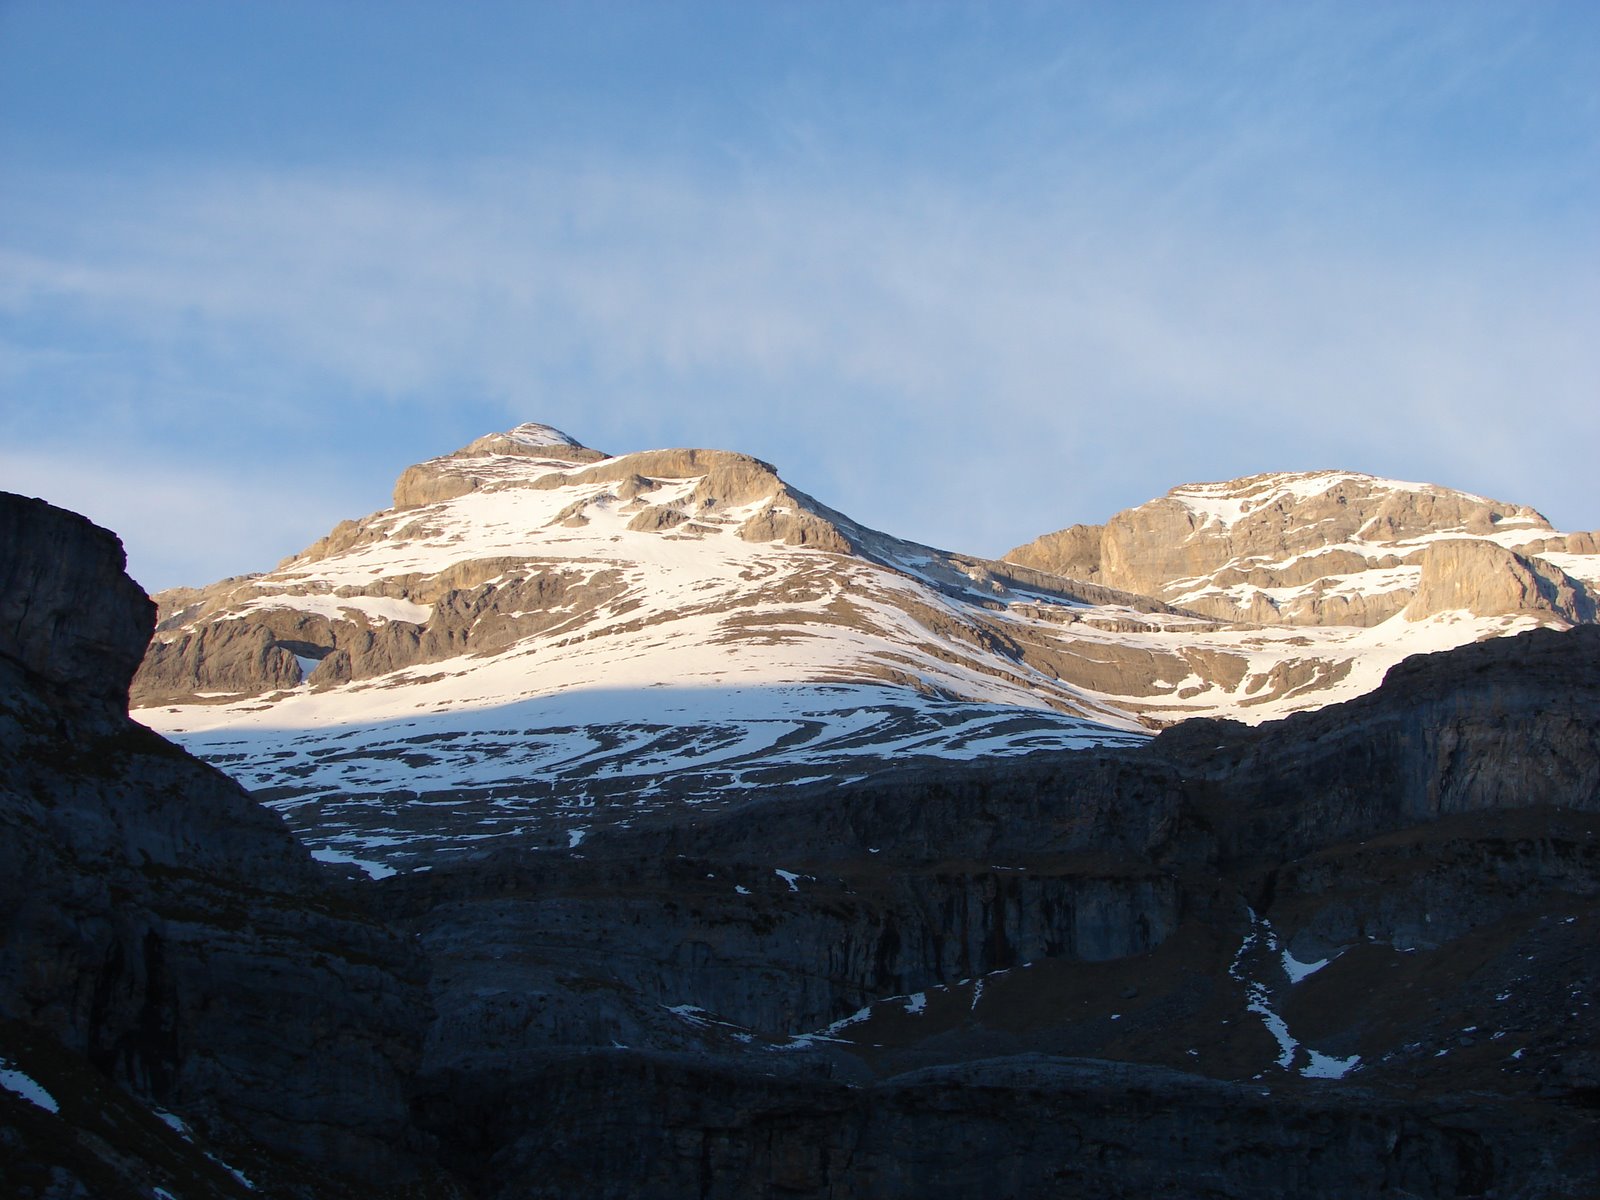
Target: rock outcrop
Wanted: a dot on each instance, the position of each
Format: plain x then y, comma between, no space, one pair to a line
1319,548
473,466
162,928
69,615
1463,575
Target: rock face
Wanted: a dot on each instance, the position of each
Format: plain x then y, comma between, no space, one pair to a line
54,562
1323,548
459,473
1318,932
161,927
1462,575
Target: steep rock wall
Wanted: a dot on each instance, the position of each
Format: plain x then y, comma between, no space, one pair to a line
158,922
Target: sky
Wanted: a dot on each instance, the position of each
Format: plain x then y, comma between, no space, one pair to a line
968,273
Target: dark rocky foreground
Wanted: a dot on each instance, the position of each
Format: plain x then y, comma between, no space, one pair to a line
1060,976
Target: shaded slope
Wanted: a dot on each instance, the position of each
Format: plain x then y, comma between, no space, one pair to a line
1353,951
164,933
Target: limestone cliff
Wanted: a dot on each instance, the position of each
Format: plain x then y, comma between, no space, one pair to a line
839,982
474,465
248,636
1325,548
1464,575
161,927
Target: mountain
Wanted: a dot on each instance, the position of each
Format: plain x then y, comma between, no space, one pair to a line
1332,548
1347,953
539,640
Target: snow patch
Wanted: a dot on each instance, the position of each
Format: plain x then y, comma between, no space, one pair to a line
234,1171
1258,999
374,870
1326,1066
175,1123
531,433
379,609
1297,970
22,1084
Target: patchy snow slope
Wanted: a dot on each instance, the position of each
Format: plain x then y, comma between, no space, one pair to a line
673,659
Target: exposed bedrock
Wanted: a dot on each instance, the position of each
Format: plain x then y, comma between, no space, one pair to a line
260,652
160,924
453,475
69,615
231,658
1480,577
1448,814
596,958
1291,548
1502,724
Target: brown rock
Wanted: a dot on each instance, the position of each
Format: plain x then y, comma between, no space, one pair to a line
1073,552
474,465
234,657
657,519
1484,578
1282,531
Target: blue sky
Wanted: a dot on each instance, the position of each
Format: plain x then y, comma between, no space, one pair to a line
966,272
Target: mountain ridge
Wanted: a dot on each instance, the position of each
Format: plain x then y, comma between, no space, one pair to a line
543,640
1318,547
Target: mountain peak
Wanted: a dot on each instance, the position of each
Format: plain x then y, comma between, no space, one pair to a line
530,439
1308,548
483,459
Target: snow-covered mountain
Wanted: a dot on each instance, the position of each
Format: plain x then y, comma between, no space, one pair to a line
1331,548
539,638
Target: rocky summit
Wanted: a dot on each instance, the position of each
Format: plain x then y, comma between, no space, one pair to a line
1327,548
1348,953
539,640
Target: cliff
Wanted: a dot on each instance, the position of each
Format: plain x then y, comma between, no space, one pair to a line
162,930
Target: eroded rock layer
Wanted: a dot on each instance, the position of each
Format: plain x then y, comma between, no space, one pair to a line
1331,548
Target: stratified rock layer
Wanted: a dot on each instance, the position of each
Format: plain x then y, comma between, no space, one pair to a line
1326,548
885,990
